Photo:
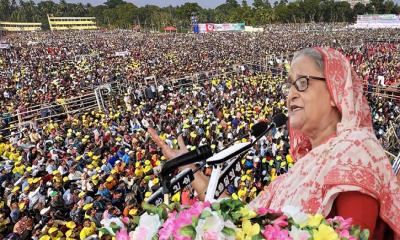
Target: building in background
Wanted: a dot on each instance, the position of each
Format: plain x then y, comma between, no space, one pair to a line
72,23
20,26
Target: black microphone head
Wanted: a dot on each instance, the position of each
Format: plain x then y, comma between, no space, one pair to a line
279,119
259,128
204,152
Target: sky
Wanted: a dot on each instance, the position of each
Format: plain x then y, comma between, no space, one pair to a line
163,3
202,3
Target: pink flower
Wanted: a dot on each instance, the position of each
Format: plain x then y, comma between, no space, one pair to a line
168,227
346,234
174,223
275,233
280,221
263,211
122,234
125,220
211,235
344,223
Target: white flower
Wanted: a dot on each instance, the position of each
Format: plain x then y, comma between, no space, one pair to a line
295,213
147,228
297,234
108,223
210,228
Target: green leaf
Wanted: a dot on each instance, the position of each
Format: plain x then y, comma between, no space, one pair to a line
164,214
216,206
205,214
188,231
355,231
136,220
364,235
149,208
195,221
155,237
257,237
228,231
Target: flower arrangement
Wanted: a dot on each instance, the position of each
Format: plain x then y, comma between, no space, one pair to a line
232,219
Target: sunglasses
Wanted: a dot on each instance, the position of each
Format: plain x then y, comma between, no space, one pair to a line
301,82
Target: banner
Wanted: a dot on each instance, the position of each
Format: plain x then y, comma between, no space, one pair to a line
217,27
378,21
5,46
122,54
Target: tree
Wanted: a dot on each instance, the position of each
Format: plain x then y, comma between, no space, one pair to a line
114,3
185,11
258,4
358,9
5,9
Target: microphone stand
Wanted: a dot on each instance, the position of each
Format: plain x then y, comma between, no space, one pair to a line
166,185
212,184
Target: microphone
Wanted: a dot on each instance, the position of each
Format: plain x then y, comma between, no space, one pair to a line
200,154
278,120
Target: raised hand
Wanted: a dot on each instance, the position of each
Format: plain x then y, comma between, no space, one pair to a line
168,152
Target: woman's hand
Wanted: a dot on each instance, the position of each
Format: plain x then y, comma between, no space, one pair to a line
200,181
168,152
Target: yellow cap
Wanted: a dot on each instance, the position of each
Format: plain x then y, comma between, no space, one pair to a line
109,179
15,189
156,181
44,237
65,179
147,169
52,230
87,206
147,162
70,225
30,180
21,205
147,194
81,194
94,177
36,180
68,233
133,212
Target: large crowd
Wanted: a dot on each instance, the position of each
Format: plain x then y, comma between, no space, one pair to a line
65,178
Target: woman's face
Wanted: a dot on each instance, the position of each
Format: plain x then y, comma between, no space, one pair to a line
308,109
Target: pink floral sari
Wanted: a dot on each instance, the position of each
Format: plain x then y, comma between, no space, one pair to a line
353,160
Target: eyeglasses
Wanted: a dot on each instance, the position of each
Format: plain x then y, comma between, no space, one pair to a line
301,83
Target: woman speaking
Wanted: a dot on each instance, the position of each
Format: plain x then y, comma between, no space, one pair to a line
341,169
